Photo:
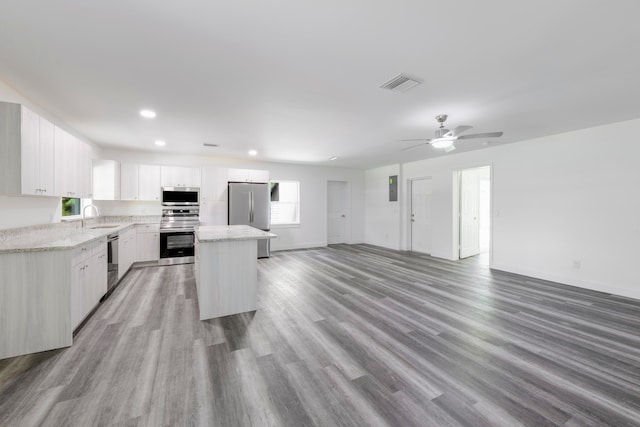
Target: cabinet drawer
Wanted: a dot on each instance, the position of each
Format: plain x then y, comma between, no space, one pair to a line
148,228
81,253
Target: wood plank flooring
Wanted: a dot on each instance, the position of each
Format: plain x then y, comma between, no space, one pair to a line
343,336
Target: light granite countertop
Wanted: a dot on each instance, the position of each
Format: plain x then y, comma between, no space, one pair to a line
219,233
59,238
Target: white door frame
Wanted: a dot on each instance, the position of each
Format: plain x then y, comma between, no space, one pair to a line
456,210
410,210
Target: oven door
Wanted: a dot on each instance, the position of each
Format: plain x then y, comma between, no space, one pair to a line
177,246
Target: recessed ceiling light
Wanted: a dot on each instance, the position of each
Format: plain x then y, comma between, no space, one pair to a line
253,152
148,114
333,158
160,143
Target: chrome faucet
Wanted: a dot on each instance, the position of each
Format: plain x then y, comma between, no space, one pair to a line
85,209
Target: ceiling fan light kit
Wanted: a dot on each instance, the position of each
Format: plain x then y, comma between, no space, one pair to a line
441,143
444,138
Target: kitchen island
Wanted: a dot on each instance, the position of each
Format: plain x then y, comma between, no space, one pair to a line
226,264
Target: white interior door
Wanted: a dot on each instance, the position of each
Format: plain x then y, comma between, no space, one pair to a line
336,212
421,228
469,213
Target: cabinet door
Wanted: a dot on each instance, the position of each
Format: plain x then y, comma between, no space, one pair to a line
46,176
238,175
66,164
99,276
149,182
192,177
106,180
61,163
30,146
128,181
178,176
83,177
72,174
258,176
214,184
148,247
77,297
213,212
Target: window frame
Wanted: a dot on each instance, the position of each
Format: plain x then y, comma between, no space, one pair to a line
297,203
83,203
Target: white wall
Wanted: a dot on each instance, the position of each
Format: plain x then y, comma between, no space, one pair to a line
382,217
559,199
313,193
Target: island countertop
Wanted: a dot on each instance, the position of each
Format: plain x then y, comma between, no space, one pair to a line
219,233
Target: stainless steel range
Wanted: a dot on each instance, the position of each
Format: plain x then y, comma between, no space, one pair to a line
177,235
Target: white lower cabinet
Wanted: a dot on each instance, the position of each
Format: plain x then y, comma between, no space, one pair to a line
126,251
147,242
88,279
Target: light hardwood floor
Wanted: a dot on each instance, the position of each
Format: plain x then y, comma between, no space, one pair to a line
343,336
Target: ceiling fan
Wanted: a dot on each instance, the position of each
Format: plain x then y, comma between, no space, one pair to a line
444,138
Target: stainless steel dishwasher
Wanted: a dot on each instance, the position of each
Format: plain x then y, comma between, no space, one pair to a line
112,261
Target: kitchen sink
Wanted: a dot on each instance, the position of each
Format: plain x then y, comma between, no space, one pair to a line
104,226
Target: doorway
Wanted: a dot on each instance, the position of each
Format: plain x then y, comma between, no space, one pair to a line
337,212
421,223
475,213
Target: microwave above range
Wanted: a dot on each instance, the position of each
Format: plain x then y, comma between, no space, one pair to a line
180,196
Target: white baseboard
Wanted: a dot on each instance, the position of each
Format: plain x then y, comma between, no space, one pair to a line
386,245
300,246
585,284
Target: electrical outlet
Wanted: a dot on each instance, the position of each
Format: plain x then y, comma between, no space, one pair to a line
576,263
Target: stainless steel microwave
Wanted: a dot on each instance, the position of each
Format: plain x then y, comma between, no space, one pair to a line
180,196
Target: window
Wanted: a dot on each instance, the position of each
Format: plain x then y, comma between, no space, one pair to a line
71,206
285,202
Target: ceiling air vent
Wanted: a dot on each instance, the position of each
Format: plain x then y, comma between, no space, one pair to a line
401,83
206,144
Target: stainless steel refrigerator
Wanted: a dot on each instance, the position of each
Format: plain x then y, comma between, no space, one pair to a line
249,204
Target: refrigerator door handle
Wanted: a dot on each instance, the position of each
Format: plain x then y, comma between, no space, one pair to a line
251,206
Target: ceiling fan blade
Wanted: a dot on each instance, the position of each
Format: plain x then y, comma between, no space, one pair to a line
416,139
482,135
458,130
414,146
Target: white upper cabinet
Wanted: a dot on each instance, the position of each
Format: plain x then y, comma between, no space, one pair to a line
214,184
139,182
179,176
213,195
72,165
129,181
106,180
46,176
67,158
26,152
84,170
247,175
30,145
149,182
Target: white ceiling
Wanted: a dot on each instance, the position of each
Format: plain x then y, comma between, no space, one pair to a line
298,81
